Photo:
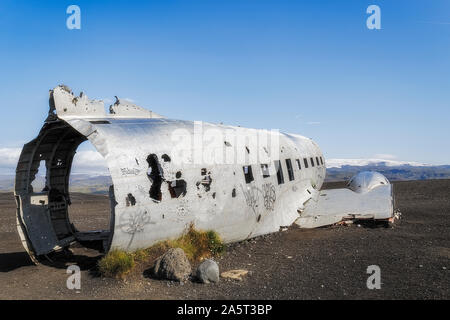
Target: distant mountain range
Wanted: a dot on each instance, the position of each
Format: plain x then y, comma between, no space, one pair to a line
339,163
344,169
337,170
84,183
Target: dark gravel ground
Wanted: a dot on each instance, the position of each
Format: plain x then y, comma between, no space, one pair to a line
324,263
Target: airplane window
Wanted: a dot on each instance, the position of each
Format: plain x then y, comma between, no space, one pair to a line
298,164
321,160
305,161
317,161
290,169
248,174
312,161
279,169
265,170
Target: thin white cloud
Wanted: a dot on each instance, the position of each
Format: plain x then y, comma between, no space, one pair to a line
312,123
9,156
386,156
89,162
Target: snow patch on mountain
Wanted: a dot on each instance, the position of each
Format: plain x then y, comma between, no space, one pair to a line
339,163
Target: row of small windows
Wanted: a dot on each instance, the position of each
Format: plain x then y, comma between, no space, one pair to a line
311,160
279,170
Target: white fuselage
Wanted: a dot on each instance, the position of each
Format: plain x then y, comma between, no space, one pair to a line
216,196
167,175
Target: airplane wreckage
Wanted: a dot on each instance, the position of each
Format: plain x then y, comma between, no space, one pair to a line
162,183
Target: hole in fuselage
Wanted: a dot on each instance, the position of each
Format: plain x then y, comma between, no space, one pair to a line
130,200
177,188
39,182
156,175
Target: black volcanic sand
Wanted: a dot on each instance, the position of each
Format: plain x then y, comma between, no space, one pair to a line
324,263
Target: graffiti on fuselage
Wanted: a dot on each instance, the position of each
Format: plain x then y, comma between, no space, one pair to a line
252,196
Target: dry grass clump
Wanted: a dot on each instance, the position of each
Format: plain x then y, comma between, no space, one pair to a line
196,244
116,264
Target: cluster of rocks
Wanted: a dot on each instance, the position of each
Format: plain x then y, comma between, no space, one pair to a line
174,265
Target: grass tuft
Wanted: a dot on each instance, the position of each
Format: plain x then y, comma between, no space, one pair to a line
116,264
196,244
140,255
215,244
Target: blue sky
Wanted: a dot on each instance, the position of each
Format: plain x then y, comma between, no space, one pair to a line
308,67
